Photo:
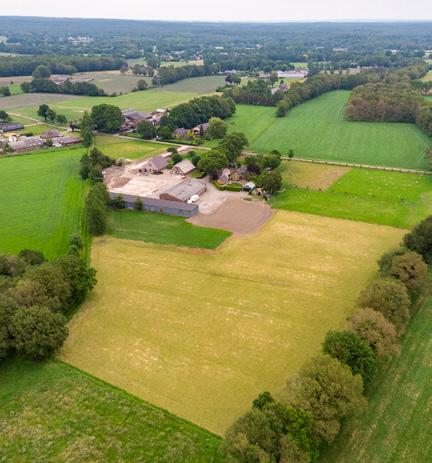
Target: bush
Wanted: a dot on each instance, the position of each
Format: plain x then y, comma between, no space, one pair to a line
390,297
37,332
176,158
118,202
351,350
138,204
376,330
76,240
31,257
196,159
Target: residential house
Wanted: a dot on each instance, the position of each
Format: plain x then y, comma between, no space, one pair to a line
183,191
154,165
200,130
133,117
183,167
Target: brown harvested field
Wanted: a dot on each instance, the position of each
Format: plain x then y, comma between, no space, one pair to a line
237,216
201,333
312,176
14,80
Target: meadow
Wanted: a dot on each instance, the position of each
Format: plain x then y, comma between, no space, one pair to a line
113,81
386,198
27,103
427,77
201,332
317,129
397,425
163,229
52,412
116,147
42,201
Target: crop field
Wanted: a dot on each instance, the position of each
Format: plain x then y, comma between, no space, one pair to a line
42,201
74,108
120,148
201,332
317,129
52,412
163,229
201,85
397,427
386,198
27,103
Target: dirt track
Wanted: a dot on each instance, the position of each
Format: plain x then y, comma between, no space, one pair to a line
237,216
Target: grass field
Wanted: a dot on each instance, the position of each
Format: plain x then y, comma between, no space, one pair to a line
52,412
21,103
113,81
201,333
163,229
201,85
73,109
42,201
120,148
386,198
397,426
317,130
427,77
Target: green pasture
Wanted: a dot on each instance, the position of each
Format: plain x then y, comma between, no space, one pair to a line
317,129
201,85
397,426
163,229
52,412
117,147
386,198
42,201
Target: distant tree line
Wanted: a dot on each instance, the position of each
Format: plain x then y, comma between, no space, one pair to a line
25,65
35,297
171,74
333,386
257,92
43,85
390,103
199,111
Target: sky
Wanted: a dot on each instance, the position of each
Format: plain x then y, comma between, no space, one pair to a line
225,10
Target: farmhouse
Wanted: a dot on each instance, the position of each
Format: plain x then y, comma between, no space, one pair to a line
154,165
181,133
200,130
183,191
133,117
183,167
10,127
159,205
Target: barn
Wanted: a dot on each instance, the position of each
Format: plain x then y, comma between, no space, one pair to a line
183,191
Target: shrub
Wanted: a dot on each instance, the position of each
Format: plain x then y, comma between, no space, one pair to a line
37,332
176,158
196,159
138,204
376,330
31,257
350,349
390,297
118,202
76,240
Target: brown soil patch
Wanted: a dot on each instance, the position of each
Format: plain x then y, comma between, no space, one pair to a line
237,216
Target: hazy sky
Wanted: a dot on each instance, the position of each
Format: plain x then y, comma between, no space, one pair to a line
224,10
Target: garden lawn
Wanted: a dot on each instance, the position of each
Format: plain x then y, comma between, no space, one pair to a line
52,412
317,129
386,198
120,148
397,426
42,201
163,229
202,333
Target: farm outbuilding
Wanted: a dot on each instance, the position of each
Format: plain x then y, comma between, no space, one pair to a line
183,191
154,165
183,167
159,205
10,127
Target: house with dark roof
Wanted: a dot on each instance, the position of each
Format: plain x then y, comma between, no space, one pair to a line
183,191
183,167
181,133
201,129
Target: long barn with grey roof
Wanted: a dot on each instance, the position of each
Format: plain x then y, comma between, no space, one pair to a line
183,191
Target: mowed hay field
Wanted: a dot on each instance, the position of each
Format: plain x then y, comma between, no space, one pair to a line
52,412
117,147
397,426
42,201
201,333
375,196
317,129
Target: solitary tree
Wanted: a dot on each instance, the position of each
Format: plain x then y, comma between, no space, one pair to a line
43,111
272,182
37,332
107,118
142,85
4,116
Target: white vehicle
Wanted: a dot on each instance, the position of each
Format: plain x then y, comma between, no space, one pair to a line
193,199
